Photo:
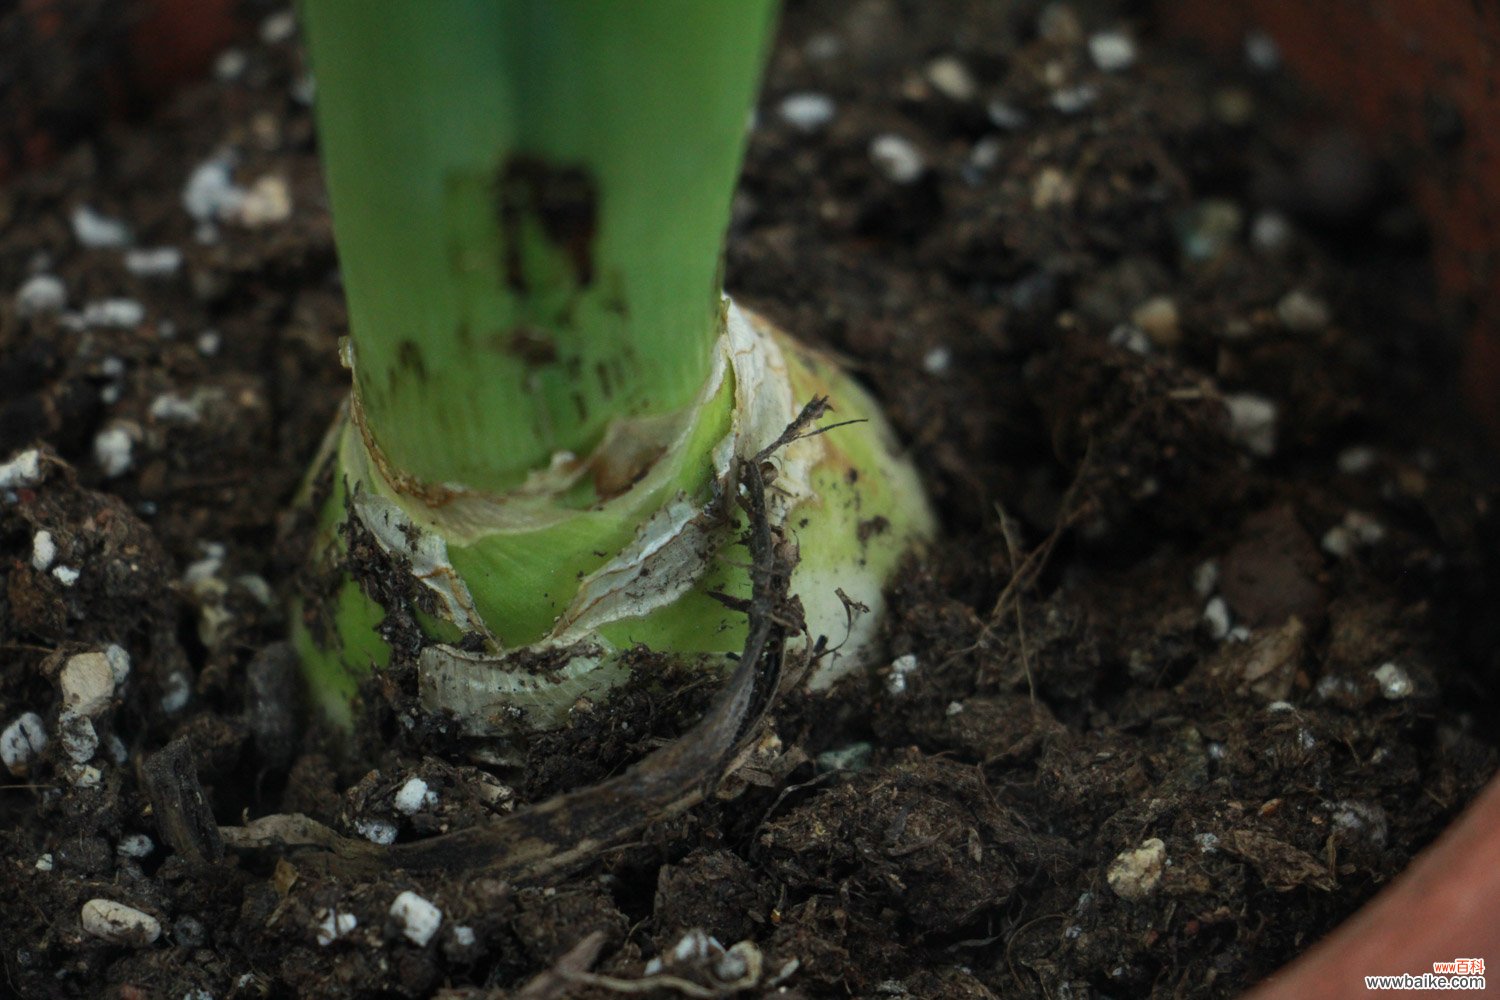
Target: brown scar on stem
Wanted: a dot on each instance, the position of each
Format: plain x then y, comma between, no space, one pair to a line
409,356
533,345
564,201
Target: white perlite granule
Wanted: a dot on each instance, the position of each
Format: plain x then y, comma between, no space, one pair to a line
419,919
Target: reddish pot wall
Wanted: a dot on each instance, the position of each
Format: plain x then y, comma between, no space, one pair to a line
1422,79
74,65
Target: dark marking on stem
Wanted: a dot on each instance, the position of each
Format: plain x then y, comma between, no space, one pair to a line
564,201
533,345
606,384
866,530
409,357
614,298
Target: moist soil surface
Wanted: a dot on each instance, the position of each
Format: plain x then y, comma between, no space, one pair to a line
1194,670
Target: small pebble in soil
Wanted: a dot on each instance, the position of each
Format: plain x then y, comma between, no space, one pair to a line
77,737
463,936
1135,874
333,925
1209,227
806,111
119,924
1356,460
1208,843
1358,530
1216,617
153,262
41,293
112,448
1302,312
376,831
1234,106
937,361
897,158
209,343
1252,423
983,157
202,570
854,757
82,775
268,201
65,575
99,232
189,932
87,683
1206,577
1005,116
119,662
1059,25
419,919
952,79
23,470
170,406
257,587
305,90
1131,338
210,192
1261,51
119,313
1337,689
1354,819
21,742
1395,683
135,845
230,65
823,46
1270,233
1112,51
1075,99
278,27
43,550
414,796
1158,318
901,667
175,692
44,863
1051,188
116,749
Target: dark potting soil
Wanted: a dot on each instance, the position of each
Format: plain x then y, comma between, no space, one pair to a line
1197,666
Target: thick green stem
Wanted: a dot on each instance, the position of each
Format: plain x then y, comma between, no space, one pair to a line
530,198
536,468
